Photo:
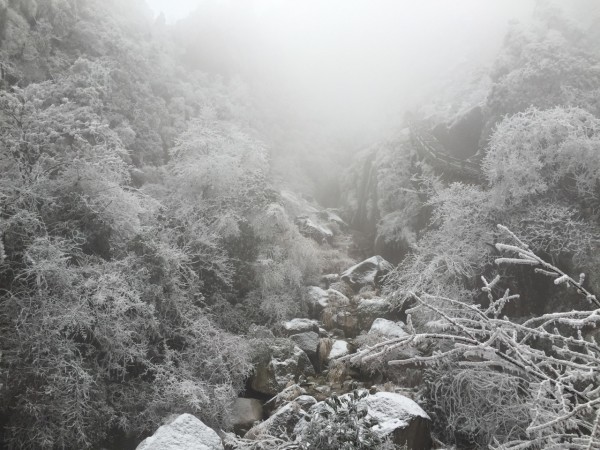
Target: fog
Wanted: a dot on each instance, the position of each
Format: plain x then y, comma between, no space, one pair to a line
349,64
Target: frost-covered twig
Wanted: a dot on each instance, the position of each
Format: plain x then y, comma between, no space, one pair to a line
557,365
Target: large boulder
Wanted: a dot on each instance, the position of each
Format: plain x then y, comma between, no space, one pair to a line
245,413
297,326
281,422
367,273
401,418
284,364
186,432
308,342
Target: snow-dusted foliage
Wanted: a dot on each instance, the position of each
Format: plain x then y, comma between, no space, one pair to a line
550,362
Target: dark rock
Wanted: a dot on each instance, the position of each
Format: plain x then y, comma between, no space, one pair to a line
461,137
308,342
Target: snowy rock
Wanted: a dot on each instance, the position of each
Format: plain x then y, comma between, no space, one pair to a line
368,272
319,299
245,412
287,364
186,432
297,326
313,230
401,418
386,327
338,349
308,342
280,423
368,310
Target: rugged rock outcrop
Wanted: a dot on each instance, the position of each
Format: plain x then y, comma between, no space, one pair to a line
186,432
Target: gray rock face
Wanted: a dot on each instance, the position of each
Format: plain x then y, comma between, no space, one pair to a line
186,432
285,366
297,326
368,272
245,412
308,342
280,423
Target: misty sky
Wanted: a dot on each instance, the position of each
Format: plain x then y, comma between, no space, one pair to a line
361,61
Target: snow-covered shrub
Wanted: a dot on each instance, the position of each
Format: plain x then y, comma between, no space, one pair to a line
342,424
553,358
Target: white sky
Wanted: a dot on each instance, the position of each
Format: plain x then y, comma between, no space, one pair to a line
355,62
173,9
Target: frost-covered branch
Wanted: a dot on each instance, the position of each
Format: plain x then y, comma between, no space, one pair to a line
555,355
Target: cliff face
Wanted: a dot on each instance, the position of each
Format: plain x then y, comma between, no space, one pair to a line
461,137
381,200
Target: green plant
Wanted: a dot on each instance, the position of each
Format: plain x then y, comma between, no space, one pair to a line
342,423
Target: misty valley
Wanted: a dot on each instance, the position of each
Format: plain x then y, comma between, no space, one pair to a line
316,225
